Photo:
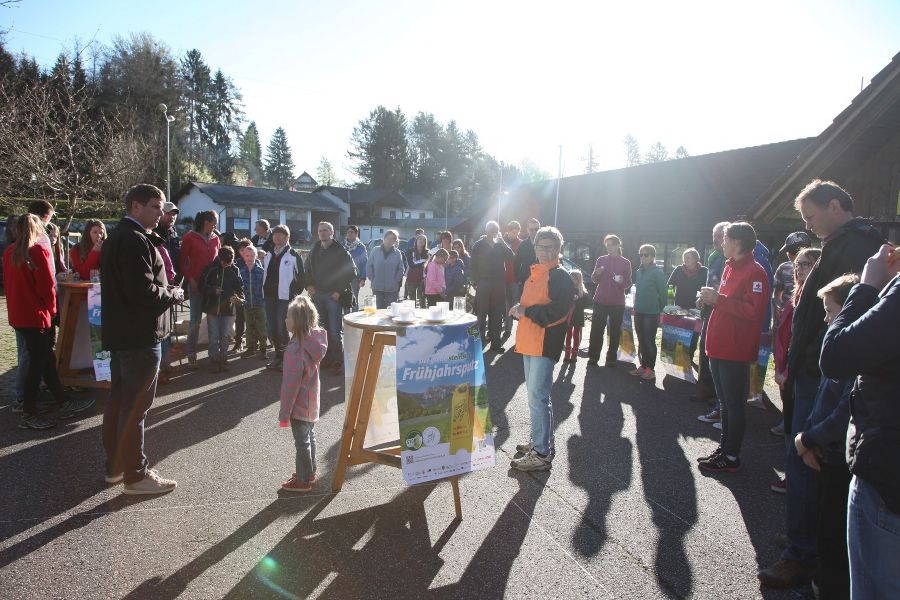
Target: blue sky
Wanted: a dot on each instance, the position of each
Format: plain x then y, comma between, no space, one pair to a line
526,76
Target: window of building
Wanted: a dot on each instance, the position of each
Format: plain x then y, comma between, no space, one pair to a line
421,215
238,221
272,216
393,214
360,213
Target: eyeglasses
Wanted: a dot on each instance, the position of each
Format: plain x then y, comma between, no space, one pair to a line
803,263
544,247
645,254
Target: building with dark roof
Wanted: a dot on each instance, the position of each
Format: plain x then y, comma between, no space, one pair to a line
239,208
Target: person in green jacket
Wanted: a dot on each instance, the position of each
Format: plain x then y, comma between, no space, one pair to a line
649,300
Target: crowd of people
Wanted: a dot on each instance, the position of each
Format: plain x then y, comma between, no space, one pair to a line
835,310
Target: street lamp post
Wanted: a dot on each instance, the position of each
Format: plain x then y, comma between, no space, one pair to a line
447,207
169,120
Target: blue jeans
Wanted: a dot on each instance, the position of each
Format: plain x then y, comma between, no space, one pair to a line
645,326
23,362
732,381
218,327
384,299
802,502
196,315
538,381
134,376
276,311
331,316
305,443
873,538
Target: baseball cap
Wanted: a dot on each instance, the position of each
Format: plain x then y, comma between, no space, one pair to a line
169,207
796,240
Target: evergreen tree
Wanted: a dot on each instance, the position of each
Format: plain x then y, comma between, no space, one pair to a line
79,77
224,114
681,152
251,155
279,167
632,151
381,150
657,153
325,173
426,146
196,83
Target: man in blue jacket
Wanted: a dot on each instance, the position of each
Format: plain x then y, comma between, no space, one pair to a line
360,258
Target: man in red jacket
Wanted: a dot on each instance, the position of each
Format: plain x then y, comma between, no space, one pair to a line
732,339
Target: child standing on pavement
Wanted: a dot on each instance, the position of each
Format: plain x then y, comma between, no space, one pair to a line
300,388
435,283
576,317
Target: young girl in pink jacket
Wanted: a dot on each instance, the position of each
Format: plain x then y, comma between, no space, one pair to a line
300,388
435,283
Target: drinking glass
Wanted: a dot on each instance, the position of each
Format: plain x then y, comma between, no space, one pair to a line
459,304
369,307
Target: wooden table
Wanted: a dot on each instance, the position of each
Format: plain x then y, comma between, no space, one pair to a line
377,332
73,309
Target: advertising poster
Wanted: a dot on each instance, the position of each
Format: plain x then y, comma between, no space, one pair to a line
442,402
675,348
383,426
99,355
759,368
627,350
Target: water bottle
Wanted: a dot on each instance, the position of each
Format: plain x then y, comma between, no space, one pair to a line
671,295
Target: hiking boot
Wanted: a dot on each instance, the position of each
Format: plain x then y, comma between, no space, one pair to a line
524,448
715,453
721,464
531,462
35,422
152,483
786,574
71,408
714,416
296,486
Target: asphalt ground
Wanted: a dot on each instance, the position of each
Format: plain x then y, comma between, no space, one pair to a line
624,513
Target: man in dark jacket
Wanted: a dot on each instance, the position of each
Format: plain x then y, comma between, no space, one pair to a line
135,298
262,238
166,230
862,342
489,256
330,269
525,255
847,241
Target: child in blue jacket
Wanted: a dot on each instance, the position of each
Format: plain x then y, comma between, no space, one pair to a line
253,275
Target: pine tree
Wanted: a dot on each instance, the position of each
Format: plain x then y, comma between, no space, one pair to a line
79,77
632,151
195,76
681,152
381,149
279,167
325,173
251,155
656,153
224,113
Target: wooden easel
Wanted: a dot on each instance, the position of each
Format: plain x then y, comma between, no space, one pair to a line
359,406
74,297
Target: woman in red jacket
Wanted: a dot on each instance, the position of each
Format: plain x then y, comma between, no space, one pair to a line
732,338
86,255
31,304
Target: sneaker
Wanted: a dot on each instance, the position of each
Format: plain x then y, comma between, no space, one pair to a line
757,402
238,346
18,406
786,574
114,478
713,416
778,430
721,464
152,483
780,486
296,486
524,448
35,422
715,453
648,374
717,425
74,407
531,462
637,372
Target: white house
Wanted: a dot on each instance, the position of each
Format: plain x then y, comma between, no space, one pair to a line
239,208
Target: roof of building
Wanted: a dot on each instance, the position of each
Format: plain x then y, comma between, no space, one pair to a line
687,194
437,222
396,198
231,195
866,125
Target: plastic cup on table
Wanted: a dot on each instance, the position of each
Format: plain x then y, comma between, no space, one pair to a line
459,305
